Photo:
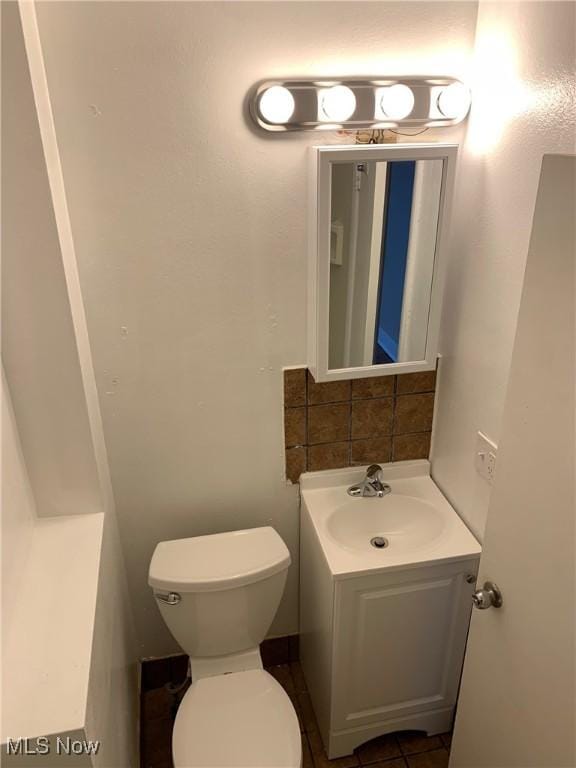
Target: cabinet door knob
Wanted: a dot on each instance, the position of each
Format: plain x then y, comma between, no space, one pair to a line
487,597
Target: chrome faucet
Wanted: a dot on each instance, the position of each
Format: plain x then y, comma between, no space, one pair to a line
372,485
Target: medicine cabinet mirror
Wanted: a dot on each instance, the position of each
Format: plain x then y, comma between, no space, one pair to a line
379,217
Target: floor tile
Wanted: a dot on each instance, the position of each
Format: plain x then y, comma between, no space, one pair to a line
307,761
413,743
294,647
395,762
155,673
274,651
156,703
320,758
282,673
308,716
447,739
381,748
161,764
438,758
179,668
298,676
157,742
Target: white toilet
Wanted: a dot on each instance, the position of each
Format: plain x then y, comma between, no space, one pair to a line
218,595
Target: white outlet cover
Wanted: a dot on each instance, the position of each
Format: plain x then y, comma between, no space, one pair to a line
485,458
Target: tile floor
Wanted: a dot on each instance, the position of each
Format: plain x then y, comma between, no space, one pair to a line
403,750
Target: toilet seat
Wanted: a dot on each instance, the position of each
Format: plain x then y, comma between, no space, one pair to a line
238,720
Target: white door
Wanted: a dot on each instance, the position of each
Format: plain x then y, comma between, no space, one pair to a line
517,702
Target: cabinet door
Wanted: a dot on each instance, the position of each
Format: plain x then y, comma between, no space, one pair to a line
399,643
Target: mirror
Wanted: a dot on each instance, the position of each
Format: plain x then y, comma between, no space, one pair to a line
380,220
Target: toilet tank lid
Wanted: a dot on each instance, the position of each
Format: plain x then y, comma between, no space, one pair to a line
218,561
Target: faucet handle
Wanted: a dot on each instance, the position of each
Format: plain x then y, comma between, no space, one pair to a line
374,472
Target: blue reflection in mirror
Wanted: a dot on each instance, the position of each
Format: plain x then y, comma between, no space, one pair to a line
396,228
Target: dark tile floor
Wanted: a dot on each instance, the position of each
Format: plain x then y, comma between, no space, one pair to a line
160,703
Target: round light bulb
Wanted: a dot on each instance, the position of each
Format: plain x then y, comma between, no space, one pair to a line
337,104
396,102
454,101
276,104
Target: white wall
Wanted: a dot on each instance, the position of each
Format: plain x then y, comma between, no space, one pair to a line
190,231
48,366
524,107
38,345
18,511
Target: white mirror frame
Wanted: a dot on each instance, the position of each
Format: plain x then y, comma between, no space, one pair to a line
322,159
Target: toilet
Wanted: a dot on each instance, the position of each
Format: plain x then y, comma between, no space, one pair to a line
218,595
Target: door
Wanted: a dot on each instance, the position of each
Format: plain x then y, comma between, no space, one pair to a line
517,701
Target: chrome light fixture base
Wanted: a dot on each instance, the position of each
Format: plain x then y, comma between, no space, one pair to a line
353,104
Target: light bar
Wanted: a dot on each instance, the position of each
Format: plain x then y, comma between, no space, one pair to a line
380,102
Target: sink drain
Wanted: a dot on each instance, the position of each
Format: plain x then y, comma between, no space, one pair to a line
379,542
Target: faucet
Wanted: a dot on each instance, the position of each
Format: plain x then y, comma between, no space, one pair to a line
372,485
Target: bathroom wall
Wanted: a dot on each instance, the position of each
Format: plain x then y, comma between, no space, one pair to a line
524,106
38,348
60,469
190,232
18,510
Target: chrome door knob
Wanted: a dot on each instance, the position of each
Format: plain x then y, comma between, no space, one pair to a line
487,597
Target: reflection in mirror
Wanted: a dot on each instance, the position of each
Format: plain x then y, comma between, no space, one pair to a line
384,222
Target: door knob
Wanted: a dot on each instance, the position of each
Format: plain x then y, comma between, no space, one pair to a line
487,597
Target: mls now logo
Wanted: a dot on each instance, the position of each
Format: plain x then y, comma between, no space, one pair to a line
43,746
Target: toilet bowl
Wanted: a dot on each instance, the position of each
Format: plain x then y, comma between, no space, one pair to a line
218,595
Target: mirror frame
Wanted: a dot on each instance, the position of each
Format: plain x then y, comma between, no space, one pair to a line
322,159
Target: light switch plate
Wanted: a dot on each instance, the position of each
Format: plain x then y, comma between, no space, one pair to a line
486,453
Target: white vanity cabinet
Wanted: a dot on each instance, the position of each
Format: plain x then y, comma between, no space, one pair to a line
382,649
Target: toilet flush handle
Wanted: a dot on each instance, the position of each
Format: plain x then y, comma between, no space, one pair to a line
172,598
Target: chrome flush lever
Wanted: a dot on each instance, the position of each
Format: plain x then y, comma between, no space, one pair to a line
172,598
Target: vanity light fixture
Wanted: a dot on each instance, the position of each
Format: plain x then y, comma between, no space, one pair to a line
394,102
276,104
372,103
454,100
336,104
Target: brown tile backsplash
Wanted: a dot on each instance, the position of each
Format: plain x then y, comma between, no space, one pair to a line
329,392
294,426
376,449
413,413
328,423
347,423
415,446
372,418
295,387
328,456
379,386
295,462
416,382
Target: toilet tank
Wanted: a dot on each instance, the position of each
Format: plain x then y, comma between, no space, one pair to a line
225,588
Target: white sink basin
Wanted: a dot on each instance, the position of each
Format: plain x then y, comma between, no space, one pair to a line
415,523
402,521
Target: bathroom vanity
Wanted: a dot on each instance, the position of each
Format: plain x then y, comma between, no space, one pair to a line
386,593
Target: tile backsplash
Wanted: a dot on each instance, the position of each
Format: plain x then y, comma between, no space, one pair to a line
343,423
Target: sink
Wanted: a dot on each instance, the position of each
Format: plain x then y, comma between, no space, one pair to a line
414,524
404,522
